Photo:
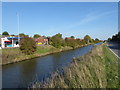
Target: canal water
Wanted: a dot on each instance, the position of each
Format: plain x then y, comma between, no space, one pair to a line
19,75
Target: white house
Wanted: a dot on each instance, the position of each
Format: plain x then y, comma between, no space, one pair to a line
9,42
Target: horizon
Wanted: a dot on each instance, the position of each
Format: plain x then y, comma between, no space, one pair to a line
96,19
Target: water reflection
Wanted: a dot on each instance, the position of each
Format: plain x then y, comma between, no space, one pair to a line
27,70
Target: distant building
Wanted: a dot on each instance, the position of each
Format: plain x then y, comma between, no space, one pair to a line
68,38
41,41
9,41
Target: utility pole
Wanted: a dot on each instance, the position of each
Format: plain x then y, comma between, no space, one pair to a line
18,27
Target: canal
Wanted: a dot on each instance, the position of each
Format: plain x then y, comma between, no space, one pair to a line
19,75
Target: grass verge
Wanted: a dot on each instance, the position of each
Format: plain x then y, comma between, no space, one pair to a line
13,55
97,69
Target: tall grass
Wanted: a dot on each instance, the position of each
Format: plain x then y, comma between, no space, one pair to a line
11,55
97,69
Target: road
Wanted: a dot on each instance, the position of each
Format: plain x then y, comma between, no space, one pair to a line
115,47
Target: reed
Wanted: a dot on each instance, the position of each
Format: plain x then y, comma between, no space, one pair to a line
96,69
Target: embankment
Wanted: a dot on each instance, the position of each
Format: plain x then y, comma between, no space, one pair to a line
96,69
14,55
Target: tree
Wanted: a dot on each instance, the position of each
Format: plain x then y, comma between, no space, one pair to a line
78,41
12,35
71,42
27,45
109,39
56,42
43,36
59,35
5,33
116,38
96,39
93,40
22,35
36,36
72,37
64,43
88,39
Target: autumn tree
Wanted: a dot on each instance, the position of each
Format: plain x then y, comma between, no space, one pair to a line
27,45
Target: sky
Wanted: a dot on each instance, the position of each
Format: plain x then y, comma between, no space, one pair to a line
96,19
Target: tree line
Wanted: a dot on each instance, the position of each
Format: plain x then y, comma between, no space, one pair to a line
115,38
28,44
58,42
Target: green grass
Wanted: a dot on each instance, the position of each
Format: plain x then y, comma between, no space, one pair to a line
97,69
14,54
44,49
111,68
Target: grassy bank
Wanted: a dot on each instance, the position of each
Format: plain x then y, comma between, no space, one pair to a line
15,55
97,69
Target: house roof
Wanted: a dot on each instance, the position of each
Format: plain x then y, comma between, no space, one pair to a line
41,39
68,38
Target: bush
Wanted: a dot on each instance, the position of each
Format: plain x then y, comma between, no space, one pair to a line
71,42
56,42
27,45
64,43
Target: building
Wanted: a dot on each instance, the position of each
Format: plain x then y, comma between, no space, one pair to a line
9,42
41,41
68,38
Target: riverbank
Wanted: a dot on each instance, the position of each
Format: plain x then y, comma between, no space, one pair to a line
14,55
96,69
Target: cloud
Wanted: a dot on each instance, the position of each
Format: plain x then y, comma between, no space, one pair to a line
90,17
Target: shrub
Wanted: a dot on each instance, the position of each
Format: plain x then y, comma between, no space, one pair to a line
64,43
71,42
56,42
27,45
